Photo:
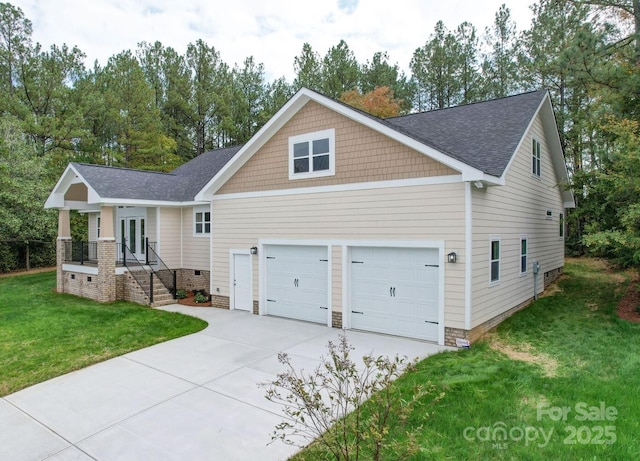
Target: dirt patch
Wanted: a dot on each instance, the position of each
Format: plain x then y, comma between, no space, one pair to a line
629,305
525,353
32,271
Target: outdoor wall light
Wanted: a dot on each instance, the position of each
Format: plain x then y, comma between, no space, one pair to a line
254,250
451,257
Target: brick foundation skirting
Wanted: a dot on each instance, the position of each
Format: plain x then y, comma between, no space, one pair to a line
187,280
221,302
256,307
336,319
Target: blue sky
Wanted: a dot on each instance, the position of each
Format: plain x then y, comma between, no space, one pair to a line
272,31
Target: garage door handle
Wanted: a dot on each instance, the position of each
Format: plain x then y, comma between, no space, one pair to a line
271,300
431,265
325,308
357,312
429,321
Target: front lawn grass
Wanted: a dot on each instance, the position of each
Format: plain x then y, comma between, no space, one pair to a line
567,352
44,334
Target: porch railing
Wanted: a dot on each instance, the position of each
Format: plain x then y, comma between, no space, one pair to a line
138,271
160,269
81,252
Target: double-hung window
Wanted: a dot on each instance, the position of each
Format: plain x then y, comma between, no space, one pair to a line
536,158
495,260
202,221
312,155
523,255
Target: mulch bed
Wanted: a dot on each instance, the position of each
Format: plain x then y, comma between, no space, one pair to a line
188,301
630,304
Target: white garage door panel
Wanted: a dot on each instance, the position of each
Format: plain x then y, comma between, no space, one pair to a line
297,282
395,291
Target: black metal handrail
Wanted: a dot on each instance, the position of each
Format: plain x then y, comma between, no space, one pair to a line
160,269
80,252
138,271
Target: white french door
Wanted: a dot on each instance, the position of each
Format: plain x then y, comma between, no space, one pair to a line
132,231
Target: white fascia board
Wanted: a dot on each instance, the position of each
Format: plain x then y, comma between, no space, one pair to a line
292,107
430,180
69,177
147,203
258,140
550,127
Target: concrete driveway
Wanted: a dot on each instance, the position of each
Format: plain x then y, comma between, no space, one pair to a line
192,398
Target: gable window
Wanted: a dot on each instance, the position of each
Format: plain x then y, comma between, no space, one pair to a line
495,260
536,158
561,225
202,221
312,155
523,255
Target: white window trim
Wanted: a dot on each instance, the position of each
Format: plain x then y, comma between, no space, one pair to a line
525,255
308,137
538,171
201,209
491,261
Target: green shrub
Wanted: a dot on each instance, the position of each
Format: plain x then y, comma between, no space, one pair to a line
200,298
181,294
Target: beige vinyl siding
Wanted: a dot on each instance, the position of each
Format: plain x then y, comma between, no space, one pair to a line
416,213
92,225
195,249
509,212
169,237
361,155
151,225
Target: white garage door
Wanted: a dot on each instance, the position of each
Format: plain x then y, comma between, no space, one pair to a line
396,291
297,282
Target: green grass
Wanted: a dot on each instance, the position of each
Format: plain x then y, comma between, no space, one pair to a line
573,350
44,334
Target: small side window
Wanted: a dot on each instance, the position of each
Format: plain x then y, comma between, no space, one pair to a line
561,225
523,255
536,158
495,260
202,222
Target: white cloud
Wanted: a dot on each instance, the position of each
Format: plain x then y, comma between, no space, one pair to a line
273,32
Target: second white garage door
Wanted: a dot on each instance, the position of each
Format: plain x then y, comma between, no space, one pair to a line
297,282
396,291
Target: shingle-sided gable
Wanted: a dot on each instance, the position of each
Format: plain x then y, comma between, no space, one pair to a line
361,155
484,135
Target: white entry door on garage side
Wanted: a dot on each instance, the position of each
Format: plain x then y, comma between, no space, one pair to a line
241,282
297,282
396,291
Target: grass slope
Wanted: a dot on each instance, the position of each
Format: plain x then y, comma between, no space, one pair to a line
568,350
44,334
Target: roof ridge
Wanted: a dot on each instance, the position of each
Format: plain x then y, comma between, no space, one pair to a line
137,170
469,104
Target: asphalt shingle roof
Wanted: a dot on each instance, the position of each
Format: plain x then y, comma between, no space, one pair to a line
483,135
181,185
